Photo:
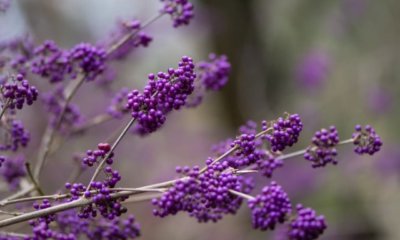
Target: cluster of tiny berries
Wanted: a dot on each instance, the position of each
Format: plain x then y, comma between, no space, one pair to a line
181,11
204,196
366,140
54,102
164,92
323,151
16,136
54,63
269,208
93,156
137,38
307,225
18,92
285,132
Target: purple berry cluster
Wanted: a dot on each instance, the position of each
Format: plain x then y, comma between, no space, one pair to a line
269,208
181,11
307,225
18,92
4,5
285,132
214,73
54,63
136,39
54,103
366,140
164,92
13,170
117,108
51,62
89,59
16,136
93,156
323,151
72,227
116,229
246,151
204,196
268,163
250,151
212,76
2,159
41,226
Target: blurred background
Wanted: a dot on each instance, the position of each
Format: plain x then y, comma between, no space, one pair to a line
335,62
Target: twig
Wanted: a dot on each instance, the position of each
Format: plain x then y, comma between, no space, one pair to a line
50,133
3,110
232,149
115,144
21,193
10,213
240,194
102,118
128,36
13,234
301,152
58,208
28,170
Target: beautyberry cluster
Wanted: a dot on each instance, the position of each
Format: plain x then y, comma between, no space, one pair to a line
89,59
307,225
164,92
214,73
16,136
212,76
115,229
18,92
269,208
250,151
54,102
268,163
54,63
366,140
118,104
323,151
93,156
285,132
97,228
51,62
181,11
13,170
204,196
135,38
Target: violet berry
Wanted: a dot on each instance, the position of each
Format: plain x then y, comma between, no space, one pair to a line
366,140
94,156
51,62
13,170
267,164
89,59
54,103
213,76
323,151
18,92
17,136
214,73
285,132
181,11
137,38
118,104
204,196
270,207
165,92
307,225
